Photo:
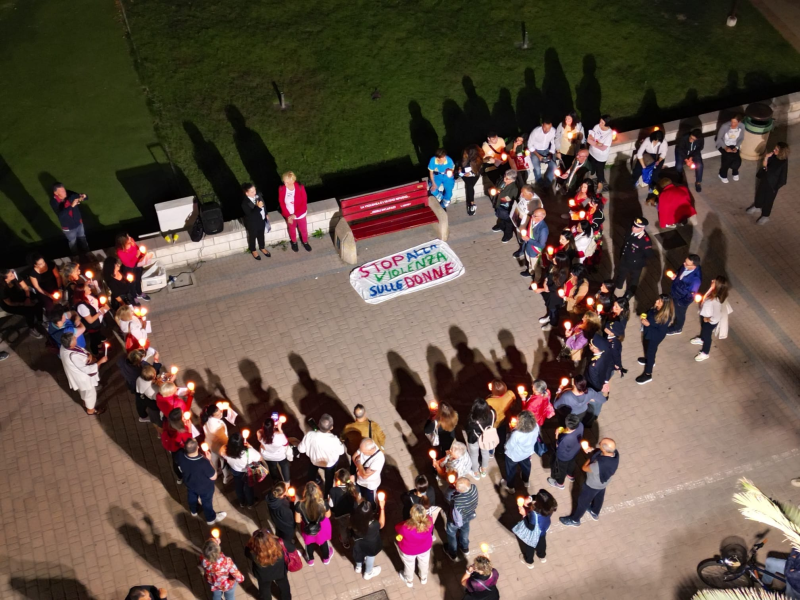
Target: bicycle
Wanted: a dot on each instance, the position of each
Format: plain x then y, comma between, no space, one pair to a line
736,568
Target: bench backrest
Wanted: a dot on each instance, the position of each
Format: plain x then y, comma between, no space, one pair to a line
385,201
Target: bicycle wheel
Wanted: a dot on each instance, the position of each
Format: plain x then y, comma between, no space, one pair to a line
720,576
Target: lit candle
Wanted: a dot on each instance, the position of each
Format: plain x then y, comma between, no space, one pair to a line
490,386
513,422
534,286
589,301
504,156
56,295
561,292
103,299
204,447
142,249
520,501
599,308
698,297
582,214
585,445
693,166
245,433
558,172
173,370
282,419
129,277
564,382
613,134
572,201
143,311
521,390
432,454
656,128
493,191
190,386
449,172
567,326
137,311
433,405
187,416
527,152
670,273
106,344
215,533
550,250
223,405
570,135
451,478
381,496
291,491
485,548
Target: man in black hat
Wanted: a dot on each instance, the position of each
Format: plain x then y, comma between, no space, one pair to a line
600,368
637,249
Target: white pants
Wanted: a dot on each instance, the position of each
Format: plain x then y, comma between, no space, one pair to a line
408,564
89,397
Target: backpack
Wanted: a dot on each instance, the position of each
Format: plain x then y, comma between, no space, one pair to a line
488,439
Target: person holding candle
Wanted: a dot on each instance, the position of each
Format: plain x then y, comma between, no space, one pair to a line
600,367
572,181
238,455
198,476
495,165
569,136
169,398
508,192
176,431
216,436
729,139
121,291
130,367
365,529
63,320
575,401
480,580
145,393
576,289
463,499
538,403
255,219
531,532
520,161
655,324
771,178
518,451
440,171
133,261
552,290
46,280
414,543
440,429
423,494
132,325
361,428
600,469
268,564
636,251
281,513
650,157
542,145
294,202
315,525
82,371
470,171
16,299
500,400
585,242
220,571
534,238
689,154
685,284
66,205
578,337
323,449
600,139
343,499
712,307
568,445
482,437
70,276
368,462
455,460
91,313
274,445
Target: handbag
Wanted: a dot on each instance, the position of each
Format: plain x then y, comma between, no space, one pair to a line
488,440
433,438
292,559
539,447
290,452
530,537
256,471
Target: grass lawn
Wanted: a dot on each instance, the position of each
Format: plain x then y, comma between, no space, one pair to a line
73,110
444,70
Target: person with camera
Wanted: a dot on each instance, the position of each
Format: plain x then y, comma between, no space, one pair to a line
255,219
66,205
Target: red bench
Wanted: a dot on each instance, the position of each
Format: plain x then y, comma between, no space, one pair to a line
386,211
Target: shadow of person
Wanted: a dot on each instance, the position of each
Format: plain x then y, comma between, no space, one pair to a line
439,374
260,402
472,372
256,157
164,555
35,210
512,367
649,111
315,398
455,137
714,248
733,91
476,112
212,165
556,90
588,94
504,120
45,580
423,136
529,103
407,395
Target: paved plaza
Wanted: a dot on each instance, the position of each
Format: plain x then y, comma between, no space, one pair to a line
90,507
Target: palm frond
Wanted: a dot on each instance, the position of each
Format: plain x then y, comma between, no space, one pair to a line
742,594
756,506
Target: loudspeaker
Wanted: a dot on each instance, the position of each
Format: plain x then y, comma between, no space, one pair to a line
211,217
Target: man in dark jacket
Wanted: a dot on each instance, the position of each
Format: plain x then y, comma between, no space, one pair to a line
199,477
255,219
568,445
637,249
281,511
600,368
684,286
689,154
66,206
506,195
599,469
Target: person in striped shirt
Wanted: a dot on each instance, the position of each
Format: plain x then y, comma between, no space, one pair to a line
463,498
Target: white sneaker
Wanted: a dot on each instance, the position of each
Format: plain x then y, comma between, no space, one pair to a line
144,419
544,319
542,560
504,486
701,357
406,581
374,573
358,568
642,183
220,516
524,562
423,580
474,476
696,341
736,178
722,179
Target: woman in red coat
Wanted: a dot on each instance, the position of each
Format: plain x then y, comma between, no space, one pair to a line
294,202
174,434
674,205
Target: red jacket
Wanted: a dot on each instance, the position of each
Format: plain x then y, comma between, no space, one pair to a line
169,403
300,200
674,205
540,406
173,440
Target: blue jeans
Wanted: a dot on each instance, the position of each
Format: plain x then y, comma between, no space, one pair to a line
367,565
511,471
229,595
75,238
706,329
447,183
206,499
457,537
698,166
590,498
366,493
777,565
549,174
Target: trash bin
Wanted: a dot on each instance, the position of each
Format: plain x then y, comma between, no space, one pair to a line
758,122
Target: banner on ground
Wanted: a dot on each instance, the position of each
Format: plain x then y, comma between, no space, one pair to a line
409,271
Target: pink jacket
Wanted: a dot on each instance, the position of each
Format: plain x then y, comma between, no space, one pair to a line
300,200
413,542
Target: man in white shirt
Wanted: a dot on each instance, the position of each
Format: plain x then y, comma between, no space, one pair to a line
600,138
729,138
82,371
368,461
542,146
323,450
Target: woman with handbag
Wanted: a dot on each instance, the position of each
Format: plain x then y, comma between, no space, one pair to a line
315,523
532,530
281,513
239,456
649,160
480,580
441,428
365,530
132,327
274,446
220,571
414,542
480,427
267,560
133,261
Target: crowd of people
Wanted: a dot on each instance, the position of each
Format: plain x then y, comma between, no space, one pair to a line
69,307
